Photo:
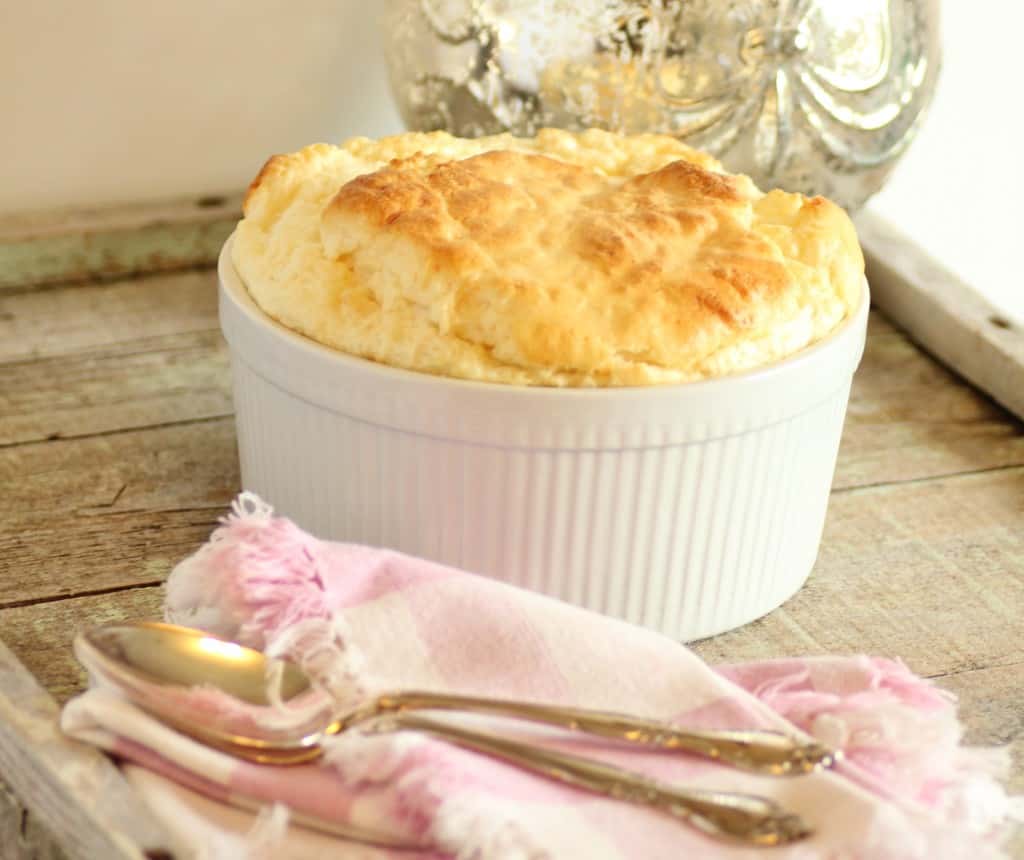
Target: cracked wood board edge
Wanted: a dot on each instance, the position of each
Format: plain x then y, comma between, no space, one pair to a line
943,314
72,789
86,245
22,837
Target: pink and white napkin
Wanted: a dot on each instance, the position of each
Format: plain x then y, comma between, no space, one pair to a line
363,620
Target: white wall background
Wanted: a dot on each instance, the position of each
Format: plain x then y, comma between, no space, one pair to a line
959,191
121,100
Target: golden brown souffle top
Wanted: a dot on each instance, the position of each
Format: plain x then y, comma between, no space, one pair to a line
590,259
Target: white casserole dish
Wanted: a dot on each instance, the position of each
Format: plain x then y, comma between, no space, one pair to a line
690,509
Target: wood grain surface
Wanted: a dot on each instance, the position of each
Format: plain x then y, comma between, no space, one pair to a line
117,456
954,322
22,836
910,418
74,791
85,244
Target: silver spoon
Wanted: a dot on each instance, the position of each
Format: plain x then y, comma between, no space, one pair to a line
182,657
163,668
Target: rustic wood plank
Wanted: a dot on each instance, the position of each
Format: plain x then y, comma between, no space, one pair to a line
162,380
73,789
105,512
190,464
930,571
39,324
947,317
930,568
911,418
40,634
96,554
116,241
22,836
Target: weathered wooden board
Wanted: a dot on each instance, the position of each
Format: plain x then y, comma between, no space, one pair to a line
70,788
117,456
99,358
22,836
112,510
910,418
87,244
99,554
38,324
954,322
931,571
42,633
191,464
163,380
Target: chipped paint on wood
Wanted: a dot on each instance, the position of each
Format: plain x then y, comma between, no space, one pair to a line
943,314
89,245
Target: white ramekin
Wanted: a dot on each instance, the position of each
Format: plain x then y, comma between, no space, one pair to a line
690,509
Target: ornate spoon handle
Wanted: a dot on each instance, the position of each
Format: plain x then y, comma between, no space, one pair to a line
764,752
722,815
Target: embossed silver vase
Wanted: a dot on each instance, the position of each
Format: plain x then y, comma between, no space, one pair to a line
818,96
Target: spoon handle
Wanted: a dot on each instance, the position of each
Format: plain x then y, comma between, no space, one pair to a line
764,752
722,815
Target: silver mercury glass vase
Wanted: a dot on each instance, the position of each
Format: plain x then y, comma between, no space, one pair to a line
817,96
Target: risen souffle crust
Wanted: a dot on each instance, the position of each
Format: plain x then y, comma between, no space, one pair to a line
588,259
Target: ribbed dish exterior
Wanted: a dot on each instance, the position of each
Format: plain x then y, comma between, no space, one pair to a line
690,529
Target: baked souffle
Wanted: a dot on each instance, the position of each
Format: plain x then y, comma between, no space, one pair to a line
566,259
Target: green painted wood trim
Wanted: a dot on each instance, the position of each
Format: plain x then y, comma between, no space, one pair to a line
85,246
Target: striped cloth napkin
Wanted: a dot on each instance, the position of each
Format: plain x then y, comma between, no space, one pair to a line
363,620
